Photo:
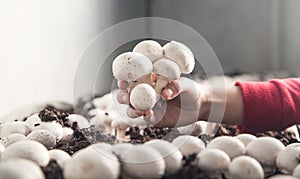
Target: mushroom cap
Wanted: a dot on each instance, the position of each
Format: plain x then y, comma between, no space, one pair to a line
230,145
142,161
194,129
246,138
245,167
101,146
119,148
119,123
265,150
104,102
213,160
166,68
150,48
2,149
20,169
169,152
67,134
143,97
32,120
288,158
296,171
14,127
280,176
180,54
27,149
87,163
53,127
81,121
131,66
188,144
59,156
12,138
45,137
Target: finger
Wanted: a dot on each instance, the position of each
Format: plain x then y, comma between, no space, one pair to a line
123,85
133,113
174,88
123,97
149,117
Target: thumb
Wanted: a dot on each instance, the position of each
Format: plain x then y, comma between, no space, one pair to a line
174,88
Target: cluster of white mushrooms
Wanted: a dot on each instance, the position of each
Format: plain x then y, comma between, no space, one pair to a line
27,146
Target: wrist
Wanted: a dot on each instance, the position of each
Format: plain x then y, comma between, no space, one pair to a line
205,101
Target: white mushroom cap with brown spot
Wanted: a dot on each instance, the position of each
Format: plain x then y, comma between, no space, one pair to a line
150,48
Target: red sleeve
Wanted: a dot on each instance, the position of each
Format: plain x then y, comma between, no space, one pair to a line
273,105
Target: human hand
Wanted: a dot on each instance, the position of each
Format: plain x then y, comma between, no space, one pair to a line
181,104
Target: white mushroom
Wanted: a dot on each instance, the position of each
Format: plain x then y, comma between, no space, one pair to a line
104,102
20,169
59,156
92,164
188,144
45,137
213,160
27,149
97,120
134,67
12,138
194,129
245,167
101,146
265,151
107,119
2,149
288,158
230,145
142,161
53,127
14,127
280,176
119,148
296,171
150,48
33,120
180,54
67,134
143,97
165,70
81,121
169,152
246,138
121,127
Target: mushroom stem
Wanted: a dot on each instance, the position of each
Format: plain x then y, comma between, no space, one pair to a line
121,135
160,83
143,79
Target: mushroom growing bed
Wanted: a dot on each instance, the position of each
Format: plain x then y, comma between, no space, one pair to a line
200,159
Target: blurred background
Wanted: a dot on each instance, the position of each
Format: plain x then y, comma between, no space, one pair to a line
41,42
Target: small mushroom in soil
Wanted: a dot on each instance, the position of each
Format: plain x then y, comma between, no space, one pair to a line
288,159
67,134
53,127
104,103
97,120
2,149
169,152
245,167
45,137
143,97
246,138
230,145
180,54
280,176
12,138
93,164
33,120
188,145
119,148
81,121
213,160
107,119
59,156
14,127
265,150
165,70
27,149
121,127
150,48
20,169
194,129
142,161
133,67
